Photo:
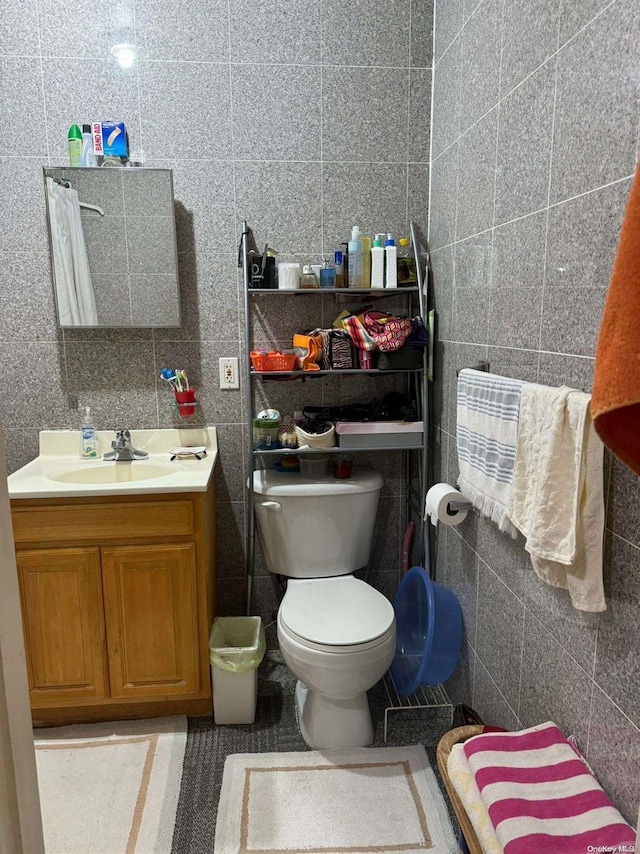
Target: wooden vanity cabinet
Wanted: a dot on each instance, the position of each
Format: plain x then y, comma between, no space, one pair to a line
117,598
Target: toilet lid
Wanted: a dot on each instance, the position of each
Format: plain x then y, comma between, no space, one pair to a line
336,611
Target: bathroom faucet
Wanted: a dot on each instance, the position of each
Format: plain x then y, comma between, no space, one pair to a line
123,450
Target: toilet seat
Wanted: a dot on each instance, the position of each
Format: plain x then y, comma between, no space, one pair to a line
337,614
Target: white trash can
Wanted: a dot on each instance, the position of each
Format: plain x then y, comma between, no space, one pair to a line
236,648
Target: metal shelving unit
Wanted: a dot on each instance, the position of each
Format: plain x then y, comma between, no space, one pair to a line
417,385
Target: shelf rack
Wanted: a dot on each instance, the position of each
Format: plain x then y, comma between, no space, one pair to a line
417,384
429,697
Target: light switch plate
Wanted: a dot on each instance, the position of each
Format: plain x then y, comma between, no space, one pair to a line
229,372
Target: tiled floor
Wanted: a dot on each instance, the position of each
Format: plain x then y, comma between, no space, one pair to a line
275,730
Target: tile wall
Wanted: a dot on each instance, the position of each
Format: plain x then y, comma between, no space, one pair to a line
302,116
535,141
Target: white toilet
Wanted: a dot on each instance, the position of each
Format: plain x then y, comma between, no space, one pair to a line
337,633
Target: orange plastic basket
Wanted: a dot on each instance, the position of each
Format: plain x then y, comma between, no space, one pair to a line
273,362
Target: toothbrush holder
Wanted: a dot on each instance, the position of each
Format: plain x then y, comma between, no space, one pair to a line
185,402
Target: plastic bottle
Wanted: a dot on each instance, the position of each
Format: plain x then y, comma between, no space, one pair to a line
308,278
89,441
339,262
88,157
377,262
74,140
366,262
356,278
407,276
391,258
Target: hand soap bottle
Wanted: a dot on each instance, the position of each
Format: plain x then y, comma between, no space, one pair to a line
89,440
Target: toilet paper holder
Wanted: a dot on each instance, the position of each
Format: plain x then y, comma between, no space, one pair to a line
454,507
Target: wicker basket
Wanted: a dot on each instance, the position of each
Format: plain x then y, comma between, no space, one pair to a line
273,362
456,736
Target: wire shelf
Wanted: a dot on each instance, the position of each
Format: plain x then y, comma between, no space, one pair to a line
368,292
429,697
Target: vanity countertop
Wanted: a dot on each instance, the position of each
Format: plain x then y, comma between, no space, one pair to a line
58,471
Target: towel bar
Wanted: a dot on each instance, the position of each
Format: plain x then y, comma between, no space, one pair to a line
481,366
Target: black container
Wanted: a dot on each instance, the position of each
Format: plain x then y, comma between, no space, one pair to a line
263,278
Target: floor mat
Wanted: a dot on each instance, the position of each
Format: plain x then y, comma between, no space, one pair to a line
364,799
111,787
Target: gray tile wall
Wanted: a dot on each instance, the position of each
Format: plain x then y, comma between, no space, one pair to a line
302,116
535,142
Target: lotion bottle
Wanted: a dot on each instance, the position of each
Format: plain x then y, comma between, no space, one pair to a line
377,262
88,157
391,258
356,268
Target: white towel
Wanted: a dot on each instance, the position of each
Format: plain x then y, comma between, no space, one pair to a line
557,496
487,436
464,782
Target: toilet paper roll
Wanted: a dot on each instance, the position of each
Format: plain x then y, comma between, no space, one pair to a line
438,498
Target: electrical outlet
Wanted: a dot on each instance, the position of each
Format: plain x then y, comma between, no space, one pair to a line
229,372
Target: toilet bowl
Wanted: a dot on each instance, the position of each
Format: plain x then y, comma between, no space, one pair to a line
337,633
338,637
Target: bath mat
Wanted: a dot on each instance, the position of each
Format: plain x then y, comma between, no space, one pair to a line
110,788
362,800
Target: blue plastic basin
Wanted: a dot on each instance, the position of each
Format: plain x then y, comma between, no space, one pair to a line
429,632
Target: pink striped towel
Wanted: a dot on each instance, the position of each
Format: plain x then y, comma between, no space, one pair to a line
541,797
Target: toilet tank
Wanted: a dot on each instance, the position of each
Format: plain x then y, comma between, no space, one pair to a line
313,528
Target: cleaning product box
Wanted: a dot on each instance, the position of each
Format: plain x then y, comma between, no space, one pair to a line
110,141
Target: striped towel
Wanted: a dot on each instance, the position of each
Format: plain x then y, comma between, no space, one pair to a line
488,407
540,795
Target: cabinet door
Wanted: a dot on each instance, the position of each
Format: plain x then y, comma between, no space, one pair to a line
63,621
152,620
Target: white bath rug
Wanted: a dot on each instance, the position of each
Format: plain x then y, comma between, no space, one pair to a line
110,788
359,801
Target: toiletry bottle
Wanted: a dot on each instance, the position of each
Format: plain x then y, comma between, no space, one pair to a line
308,278
327,275
366,262
356,278
377,262
339,270
391,258
345,263
88,157
407,277
74,140
89,442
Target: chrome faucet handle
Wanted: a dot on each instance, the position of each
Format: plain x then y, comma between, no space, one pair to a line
123,450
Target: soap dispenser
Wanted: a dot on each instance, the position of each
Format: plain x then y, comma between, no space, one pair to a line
89,440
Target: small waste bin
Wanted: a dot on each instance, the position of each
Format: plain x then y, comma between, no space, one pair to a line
236,648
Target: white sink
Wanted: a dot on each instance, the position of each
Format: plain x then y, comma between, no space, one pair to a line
111,473
58,472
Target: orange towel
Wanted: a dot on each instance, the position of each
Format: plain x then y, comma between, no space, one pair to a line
615,404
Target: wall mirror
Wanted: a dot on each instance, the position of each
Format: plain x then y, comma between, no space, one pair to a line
112,239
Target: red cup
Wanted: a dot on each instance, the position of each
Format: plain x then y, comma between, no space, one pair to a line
183,399
342,466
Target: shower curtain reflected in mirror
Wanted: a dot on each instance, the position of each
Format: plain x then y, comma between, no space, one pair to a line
72,276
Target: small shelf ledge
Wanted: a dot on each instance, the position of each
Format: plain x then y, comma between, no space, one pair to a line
294,452
368,292
270,375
